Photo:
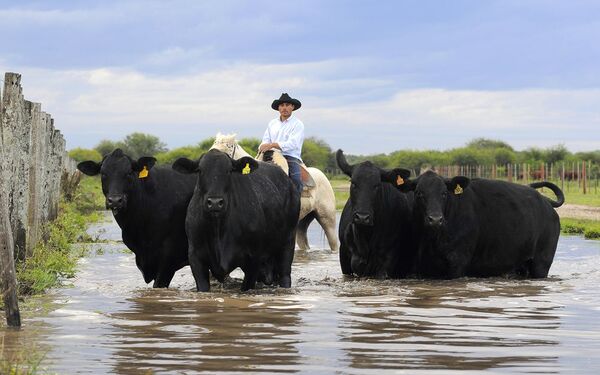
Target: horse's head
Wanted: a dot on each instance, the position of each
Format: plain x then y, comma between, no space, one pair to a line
227,144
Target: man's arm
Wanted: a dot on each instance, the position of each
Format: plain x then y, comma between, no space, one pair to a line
266,144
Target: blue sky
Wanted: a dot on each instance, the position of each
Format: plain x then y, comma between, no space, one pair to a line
372,76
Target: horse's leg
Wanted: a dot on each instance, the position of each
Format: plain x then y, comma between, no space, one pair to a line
301,237
327,222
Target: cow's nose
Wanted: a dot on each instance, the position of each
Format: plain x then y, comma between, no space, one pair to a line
114,200
362,218
215,204
435,220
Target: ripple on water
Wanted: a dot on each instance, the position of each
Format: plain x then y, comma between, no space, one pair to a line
110,321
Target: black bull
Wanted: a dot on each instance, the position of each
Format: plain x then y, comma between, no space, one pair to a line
243,214
149,204
482,227
375,228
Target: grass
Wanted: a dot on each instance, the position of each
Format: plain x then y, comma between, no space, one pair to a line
341,189
55,258
23,364
590,229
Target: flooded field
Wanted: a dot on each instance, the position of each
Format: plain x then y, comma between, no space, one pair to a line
108,321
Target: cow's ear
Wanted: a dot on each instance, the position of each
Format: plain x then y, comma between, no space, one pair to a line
245,165
343,164
143,162
396,177
185,165
457,184
91,168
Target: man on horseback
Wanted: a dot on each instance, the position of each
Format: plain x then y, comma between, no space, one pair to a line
286,133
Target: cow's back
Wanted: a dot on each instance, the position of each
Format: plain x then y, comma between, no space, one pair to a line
512,219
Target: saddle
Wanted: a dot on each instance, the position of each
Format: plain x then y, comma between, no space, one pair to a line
277,158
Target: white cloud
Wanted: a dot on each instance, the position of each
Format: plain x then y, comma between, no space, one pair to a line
89,105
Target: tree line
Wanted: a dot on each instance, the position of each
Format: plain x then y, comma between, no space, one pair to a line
317,153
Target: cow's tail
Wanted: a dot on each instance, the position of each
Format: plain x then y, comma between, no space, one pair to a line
560,197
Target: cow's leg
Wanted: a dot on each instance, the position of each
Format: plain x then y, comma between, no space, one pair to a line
345,260
327,222
285,260
544,255
250,276
163,279
301,238
199,270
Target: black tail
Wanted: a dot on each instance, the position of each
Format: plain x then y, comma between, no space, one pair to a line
560,197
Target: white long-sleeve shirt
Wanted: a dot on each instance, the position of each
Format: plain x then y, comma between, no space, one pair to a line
289,134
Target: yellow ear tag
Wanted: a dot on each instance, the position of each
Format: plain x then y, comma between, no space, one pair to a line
458,190
246,169
143,173
399,181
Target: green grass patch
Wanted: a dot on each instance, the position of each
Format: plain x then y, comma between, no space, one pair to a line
590,229
55,258
341,189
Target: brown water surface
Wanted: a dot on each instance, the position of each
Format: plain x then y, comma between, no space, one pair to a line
108,321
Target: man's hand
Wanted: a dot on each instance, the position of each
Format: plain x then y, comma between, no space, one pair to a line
268,146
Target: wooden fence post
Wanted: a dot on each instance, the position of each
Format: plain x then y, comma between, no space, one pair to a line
562,177
7,261
583,177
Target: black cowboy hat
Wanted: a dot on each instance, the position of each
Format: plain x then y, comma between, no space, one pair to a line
285,98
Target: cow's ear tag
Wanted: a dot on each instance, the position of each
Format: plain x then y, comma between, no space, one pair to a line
458,190
143,172
399,181
246,169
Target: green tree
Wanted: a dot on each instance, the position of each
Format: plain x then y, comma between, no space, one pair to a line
485,143
317,153
470,156
250,145
504,156
556,153
106,146
140,144
82,154
169,157
532,155
593,156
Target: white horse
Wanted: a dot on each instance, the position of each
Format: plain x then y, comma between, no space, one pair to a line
317,202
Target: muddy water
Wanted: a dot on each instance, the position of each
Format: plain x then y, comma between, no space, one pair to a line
108,321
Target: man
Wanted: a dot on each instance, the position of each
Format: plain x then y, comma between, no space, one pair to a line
286,133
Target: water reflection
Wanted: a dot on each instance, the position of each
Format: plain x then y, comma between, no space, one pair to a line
467,325
186,332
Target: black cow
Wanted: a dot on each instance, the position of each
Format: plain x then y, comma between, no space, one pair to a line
149,204
243,214
483,227
375,228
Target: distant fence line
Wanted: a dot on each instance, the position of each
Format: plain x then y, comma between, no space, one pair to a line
583,176
35,165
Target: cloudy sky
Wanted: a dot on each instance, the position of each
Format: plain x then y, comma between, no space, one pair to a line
372,76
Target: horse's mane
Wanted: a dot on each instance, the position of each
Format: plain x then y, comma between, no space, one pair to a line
225,138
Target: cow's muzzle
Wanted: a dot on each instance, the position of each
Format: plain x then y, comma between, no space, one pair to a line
362,218
215,204
434,221
116,202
